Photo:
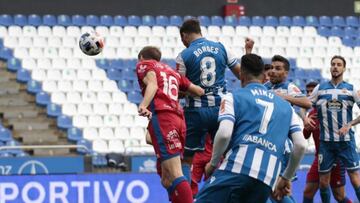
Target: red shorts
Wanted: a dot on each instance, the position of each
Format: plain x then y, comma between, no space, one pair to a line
337,174
167,131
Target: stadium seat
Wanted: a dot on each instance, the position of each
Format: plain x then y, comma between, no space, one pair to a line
312,21
338,21
175,20
64,20
6,20
350,31
33,86
244,21
42,98
20,20
230,20
134,97
86,146
325,21
98,160
352,21
78,20
348,41
125,85
53,110
114,74
106,20
324,31
64,122
257,21
34,20
5,53
134,20
217,20
285,21
92,20
337,31
147,20
204,20
187,17
120,20
271,21
162,20
23,76
49,20
13,64
5,134
298,21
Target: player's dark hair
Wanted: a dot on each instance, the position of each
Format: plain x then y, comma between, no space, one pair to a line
311,84
283,60
150,52
191,26
267,67
252,65
339,57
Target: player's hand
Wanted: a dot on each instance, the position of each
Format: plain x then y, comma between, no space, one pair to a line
283,188
143,111
209,169
309,122
249,45
344,130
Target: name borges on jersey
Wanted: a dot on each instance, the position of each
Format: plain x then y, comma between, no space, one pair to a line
204,49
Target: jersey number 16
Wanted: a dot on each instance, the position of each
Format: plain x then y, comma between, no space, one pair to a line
170,86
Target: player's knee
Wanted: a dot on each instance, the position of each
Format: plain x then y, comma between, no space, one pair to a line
324,182
309,192
339,196
355,178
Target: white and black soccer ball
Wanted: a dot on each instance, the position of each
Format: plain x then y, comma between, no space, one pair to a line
91,43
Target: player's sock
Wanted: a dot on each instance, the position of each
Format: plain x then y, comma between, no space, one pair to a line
308,200
288,199
325,195
180,191
186,171
345,200
357,191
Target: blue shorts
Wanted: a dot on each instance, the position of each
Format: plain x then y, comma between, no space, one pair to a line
330,152
227,187
199,122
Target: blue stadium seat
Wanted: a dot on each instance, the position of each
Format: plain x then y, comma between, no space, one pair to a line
217,20
162,20
103,64
312,21
128,74
92,20
258,21
350,31
299,21
34,20
49,20
1,43
324,31
148,20
125,85
78,20
204,20
116,64
42,98
6,53
230,20
271,21
13,64
134,20
74,134
337,31
244,21
120,20
64,20
6,20
338,21
64,122
106,20
98,160
33,86
15,150
285,21
187,17
86,144
348,41
134,97
114,74
23,75
20,20
325,21
53,110
136,86
175,20
352,21
5,134
357,41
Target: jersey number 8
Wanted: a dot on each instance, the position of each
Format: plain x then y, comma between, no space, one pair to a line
208,71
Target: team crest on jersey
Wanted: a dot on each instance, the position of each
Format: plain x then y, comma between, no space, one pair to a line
334,105
142,68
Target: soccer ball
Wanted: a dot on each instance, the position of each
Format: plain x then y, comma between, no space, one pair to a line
91,43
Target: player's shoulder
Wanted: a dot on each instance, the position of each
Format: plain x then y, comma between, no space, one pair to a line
347,85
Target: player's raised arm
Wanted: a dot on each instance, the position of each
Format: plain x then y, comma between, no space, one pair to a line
249,45
150,91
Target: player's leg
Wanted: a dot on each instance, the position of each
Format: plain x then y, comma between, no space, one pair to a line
197,171
326,158
312,182
338,182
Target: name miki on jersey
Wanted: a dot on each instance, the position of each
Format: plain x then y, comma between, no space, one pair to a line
260,141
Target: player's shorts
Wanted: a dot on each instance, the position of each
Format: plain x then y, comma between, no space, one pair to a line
224,186
330,152
337,178
167,131
199,122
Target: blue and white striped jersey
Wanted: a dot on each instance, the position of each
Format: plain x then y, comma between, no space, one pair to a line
204,63
262,124
287,88
334,105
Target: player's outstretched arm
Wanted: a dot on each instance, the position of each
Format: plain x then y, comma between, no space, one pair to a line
302,102
249,45
150,91
195,90
345,129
